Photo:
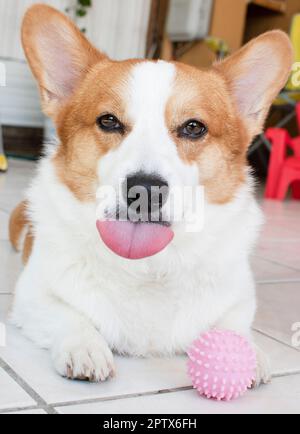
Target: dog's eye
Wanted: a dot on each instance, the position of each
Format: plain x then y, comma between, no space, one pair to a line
110,124
192,129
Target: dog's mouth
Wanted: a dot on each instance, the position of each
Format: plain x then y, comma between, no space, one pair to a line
135,240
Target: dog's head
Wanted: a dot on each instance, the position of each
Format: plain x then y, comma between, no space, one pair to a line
154,127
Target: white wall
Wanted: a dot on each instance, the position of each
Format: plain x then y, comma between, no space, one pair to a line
11,13
118,27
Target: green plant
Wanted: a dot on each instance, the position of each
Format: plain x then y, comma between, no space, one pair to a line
81,9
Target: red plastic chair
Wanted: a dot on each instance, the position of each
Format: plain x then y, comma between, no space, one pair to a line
284,170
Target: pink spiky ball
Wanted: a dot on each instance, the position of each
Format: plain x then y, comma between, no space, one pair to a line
222,365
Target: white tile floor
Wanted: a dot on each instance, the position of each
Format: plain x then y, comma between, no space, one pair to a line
28,384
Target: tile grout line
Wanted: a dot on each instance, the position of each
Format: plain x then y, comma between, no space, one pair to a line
52,406
121,397
25,386
48,409
276,281
293,373
290,267
278,341
282,374
282,240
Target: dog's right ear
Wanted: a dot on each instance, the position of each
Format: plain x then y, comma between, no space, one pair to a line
58,53
256,74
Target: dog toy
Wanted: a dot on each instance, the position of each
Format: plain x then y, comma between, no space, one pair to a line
222,365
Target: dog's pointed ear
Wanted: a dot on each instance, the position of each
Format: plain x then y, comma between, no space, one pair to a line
256,74
58,53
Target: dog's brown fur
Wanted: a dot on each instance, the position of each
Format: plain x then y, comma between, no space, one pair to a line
19,225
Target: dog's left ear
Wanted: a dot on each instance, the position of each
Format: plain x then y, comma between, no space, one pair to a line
256,74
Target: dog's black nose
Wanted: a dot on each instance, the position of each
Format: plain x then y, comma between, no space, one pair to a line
149,191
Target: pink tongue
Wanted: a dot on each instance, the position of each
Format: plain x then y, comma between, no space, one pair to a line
134,241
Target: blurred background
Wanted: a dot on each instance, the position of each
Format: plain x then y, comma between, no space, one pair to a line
196,32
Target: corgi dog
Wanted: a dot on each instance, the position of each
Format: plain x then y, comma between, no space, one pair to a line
95,284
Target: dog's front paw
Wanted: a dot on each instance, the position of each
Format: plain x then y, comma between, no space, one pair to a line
84,357
263,370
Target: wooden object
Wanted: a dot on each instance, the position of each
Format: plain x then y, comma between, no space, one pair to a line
156,39
231,20
261,20
273,5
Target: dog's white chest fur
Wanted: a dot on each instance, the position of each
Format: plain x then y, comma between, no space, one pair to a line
151,316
